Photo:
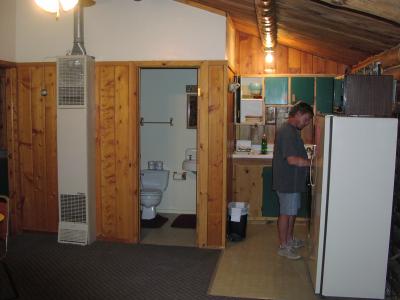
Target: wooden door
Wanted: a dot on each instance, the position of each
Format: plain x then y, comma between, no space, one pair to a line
37,146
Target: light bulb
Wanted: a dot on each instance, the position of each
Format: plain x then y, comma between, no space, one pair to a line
269,57
68,4
51,6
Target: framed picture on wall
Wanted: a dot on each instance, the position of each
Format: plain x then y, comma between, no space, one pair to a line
191,111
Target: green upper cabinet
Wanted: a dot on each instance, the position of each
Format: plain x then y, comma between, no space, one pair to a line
276,90
302,88
324,96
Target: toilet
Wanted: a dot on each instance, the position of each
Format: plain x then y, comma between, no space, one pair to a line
153,183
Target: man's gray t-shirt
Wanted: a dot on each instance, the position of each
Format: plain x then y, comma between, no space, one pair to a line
288,178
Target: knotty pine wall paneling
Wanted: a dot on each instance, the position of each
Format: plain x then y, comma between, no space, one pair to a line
3,109
230,123
212,154
12,148
216,163
116,152
37,147
287,60
216,204
202,156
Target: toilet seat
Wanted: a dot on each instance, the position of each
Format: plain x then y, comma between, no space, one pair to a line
150,192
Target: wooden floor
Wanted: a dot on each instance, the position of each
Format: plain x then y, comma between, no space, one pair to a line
252,268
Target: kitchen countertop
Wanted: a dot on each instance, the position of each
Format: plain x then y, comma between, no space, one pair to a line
256,153
253,154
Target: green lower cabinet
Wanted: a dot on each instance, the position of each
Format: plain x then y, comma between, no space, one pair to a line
270,205
305,209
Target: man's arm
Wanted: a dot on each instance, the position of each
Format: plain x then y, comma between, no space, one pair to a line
298,161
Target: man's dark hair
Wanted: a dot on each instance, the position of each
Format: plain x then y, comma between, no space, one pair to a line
301,107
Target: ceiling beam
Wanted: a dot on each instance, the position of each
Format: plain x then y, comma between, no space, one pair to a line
385,9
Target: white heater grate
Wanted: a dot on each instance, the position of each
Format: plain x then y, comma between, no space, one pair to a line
73,208
76,149
71,81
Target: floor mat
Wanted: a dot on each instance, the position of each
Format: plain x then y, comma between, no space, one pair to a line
157,222
184,221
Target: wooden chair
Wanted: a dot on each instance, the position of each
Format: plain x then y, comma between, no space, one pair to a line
4,232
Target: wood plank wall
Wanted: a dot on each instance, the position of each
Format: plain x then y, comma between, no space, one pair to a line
3,110
212,154
36,121
231,51
288,60
216,164
13,153
117,167
32,140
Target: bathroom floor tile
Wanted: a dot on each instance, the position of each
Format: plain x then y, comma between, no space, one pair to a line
167,235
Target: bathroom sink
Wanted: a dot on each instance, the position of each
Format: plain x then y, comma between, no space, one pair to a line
190,162
189,165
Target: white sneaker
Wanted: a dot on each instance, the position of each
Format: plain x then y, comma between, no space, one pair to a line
296,243
288,252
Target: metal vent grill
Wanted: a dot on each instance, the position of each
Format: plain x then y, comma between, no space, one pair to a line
73,208
72,236
71,81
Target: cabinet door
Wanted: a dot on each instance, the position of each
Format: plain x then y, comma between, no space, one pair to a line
324,97
305,208
248,187
276,90
270,205
302,89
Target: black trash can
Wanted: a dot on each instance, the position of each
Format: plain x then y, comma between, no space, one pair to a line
237,220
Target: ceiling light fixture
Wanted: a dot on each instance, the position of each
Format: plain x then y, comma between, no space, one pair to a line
266,21
53,6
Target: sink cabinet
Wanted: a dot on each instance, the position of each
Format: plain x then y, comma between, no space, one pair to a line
252,183
248,183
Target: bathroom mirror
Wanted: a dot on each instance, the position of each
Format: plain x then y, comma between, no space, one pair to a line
191,111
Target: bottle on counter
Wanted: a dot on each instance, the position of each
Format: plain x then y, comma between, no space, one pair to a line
264,144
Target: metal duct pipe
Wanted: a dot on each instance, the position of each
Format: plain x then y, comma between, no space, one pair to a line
266,20
78,47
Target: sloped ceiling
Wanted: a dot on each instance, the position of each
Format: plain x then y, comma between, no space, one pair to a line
346,31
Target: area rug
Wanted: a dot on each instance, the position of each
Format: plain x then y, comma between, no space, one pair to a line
157,222
184,221
44,269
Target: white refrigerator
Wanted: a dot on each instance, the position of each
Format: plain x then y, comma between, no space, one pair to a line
353,178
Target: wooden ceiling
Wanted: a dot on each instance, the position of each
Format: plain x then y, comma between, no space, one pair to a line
346,31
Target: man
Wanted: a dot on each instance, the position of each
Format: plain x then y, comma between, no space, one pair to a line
290,167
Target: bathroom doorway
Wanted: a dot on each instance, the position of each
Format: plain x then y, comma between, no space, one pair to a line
168,137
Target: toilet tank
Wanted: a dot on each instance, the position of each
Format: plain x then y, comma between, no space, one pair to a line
154,179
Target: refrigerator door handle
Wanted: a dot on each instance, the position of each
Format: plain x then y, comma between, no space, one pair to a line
312,183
